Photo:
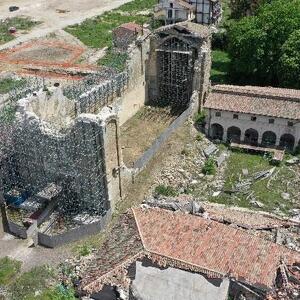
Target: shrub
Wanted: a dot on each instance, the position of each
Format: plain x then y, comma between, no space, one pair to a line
209,167
200,118
85,250
199,137
167,191
220,40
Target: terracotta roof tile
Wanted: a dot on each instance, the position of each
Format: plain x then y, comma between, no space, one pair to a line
212,246
131,26
267,101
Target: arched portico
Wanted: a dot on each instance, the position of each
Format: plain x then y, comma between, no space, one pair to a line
251,137
287,141
268,139
217,131
233,134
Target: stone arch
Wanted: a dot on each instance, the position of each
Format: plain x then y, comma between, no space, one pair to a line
234,134
287,141
217,131
251,137
268,138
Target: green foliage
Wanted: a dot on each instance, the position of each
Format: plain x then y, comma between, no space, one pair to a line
167,191
8,114
84,250
97,32
199,137
114,59
243,8
8,84
256,43
200,118
26,286
9,269
57,293
21,23
219,39
209,167
289,63
220,67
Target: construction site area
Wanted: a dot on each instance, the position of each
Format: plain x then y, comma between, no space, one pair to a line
113,142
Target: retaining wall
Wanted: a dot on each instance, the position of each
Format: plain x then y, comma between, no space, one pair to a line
52,241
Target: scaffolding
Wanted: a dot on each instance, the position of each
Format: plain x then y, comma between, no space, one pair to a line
175,64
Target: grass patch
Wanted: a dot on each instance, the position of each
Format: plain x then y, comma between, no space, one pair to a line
31,285
9,269
8,84
167,191
97,32
114,59
57,293
20,23
220,67
8,114
209,167
267,193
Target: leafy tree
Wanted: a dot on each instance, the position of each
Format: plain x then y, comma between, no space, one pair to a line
256,43
243,8
289,63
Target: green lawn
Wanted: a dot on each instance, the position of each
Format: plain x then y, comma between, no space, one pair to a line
220,66
9,269
97,32
9,84
21,24
267,191
114,60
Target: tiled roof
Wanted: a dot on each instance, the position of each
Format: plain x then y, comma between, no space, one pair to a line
267,101
184,241
211,245
123,244
131,26
185,4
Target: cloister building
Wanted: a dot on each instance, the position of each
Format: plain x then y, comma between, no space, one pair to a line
263,116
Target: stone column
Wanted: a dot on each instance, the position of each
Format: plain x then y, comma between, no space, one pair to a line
225,135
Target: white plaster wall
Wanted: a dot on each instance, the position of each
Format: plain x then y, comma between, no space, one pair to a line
261,124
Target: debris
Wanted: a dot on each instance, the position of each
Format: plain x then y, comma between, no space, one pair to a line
257,203
263,174
216,194
210,150
293,161
13,8
221,159
12,30
285,196
245,172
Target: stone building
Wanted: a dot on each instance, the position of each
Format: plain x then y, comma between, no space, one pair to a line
174,11
206,12
155,253
179,64
125,34
254,115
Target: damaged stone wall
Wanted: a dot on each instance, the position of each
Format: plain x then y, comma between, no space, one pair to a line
73,156
182,40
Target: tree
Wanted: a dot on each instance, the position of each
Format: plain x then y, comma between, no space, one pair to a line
289,63
256,42
243,8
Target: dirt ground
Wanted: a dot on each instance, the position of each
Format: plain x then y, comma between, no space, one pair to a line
139,132
54,14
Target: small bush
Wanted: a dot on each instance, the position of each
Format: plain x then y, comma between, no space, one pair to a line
200,118
167,191
220,40
209,167
199,137
85,250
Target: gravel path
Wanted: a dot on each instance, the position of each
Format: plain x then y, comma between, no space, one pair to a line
54,14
